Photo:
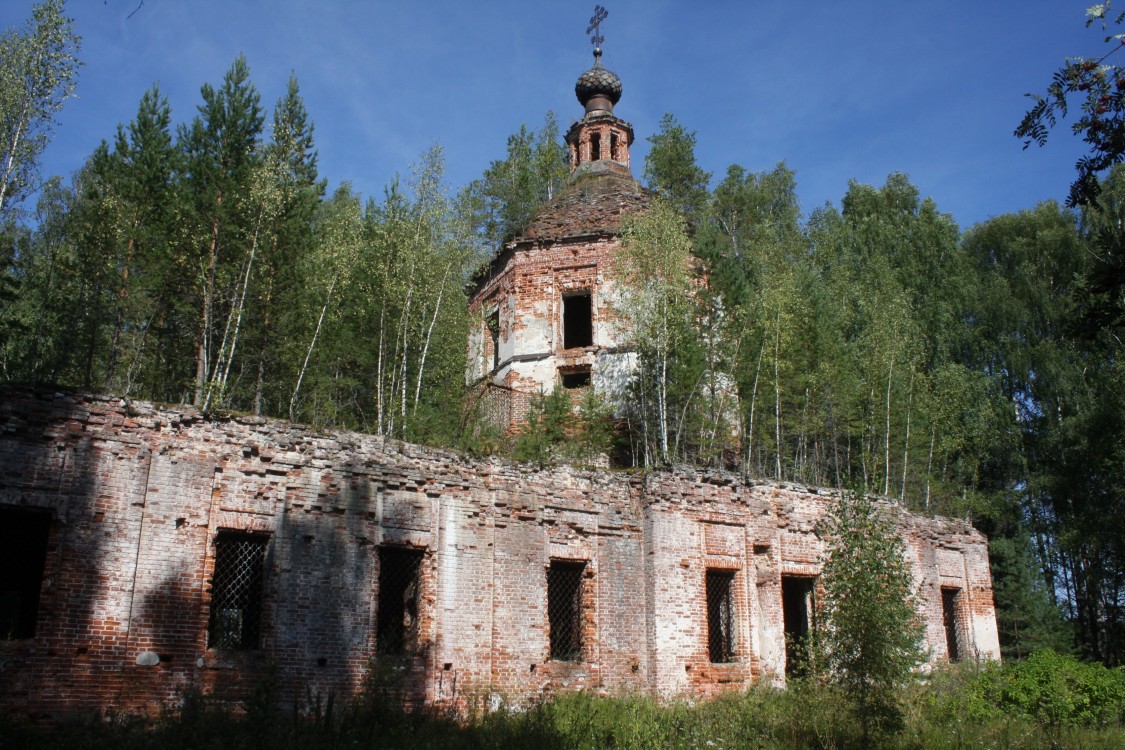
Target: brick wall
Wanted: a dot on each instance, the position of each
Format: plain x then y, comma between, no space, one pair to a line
137,495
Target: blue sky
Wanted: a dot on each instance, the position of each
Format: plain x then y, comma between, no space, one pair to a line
838,90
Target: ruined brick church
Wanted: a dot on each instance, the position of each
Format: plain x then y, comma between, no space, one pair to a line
546,301
150,552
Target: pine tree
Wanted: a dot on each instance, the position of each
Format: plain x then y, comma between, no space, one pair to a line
504,200
671,171
221,152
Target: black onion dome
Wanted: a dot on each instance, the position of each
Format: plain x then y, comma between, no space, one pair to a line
597,81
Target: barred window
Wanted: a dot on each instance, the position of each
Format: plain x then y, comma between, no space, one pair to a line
720,615
564,609
236,591
23,555
396,621
951,615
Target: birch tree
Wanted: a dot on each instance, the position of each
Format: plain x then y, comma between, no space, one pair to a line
38,72
335,254
654,270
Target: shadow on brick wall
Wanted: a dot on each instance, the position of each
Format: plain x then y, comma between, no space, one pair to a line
51,467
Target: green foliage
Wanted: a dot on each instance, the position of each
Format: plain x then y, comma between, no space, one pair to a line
1103,296
504,200
1096,85
1048,688
38,74
545,427
207,266
595,432
1026,617
941,714
868,637
653,269
671,171
558,429
1060,460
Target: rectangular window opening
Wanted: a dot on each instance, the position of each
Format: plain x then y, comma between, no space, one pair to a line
237,588
579,378
578,320
950,616
798,605
400,591
564,609
23,556
720,615
595,146
493,323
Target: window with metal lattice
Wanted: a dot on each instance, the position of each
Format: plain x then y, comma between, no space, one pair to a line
237,590
951,616
396,620
564,609
720,615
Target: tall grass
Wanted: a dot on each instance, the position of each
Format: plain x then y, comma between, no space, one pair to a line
1047,702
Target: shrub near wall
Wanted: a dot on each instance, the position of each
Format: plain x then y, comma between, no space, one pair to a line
1051,689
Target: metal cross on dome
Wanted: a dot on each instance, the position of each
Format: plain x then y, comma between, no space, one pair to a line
600,14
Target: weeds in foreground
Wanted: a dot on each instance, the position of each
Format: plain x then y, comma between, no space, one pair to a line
1046,702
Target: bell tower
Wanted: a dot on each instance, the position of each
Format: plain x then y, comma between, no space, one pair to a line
600,141
547,303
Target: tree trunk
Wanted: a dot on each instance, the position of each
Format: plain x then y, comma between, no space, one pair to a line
753,403
227,347
887,433
9,163
308,354
426,343
906,442
203,348
777,395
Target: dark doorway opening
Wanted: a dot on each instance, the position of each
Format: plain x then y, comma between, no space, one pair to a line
23,555
798,609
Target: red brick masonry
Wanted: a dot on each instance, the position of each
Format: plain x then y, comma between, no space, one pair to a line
137,494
